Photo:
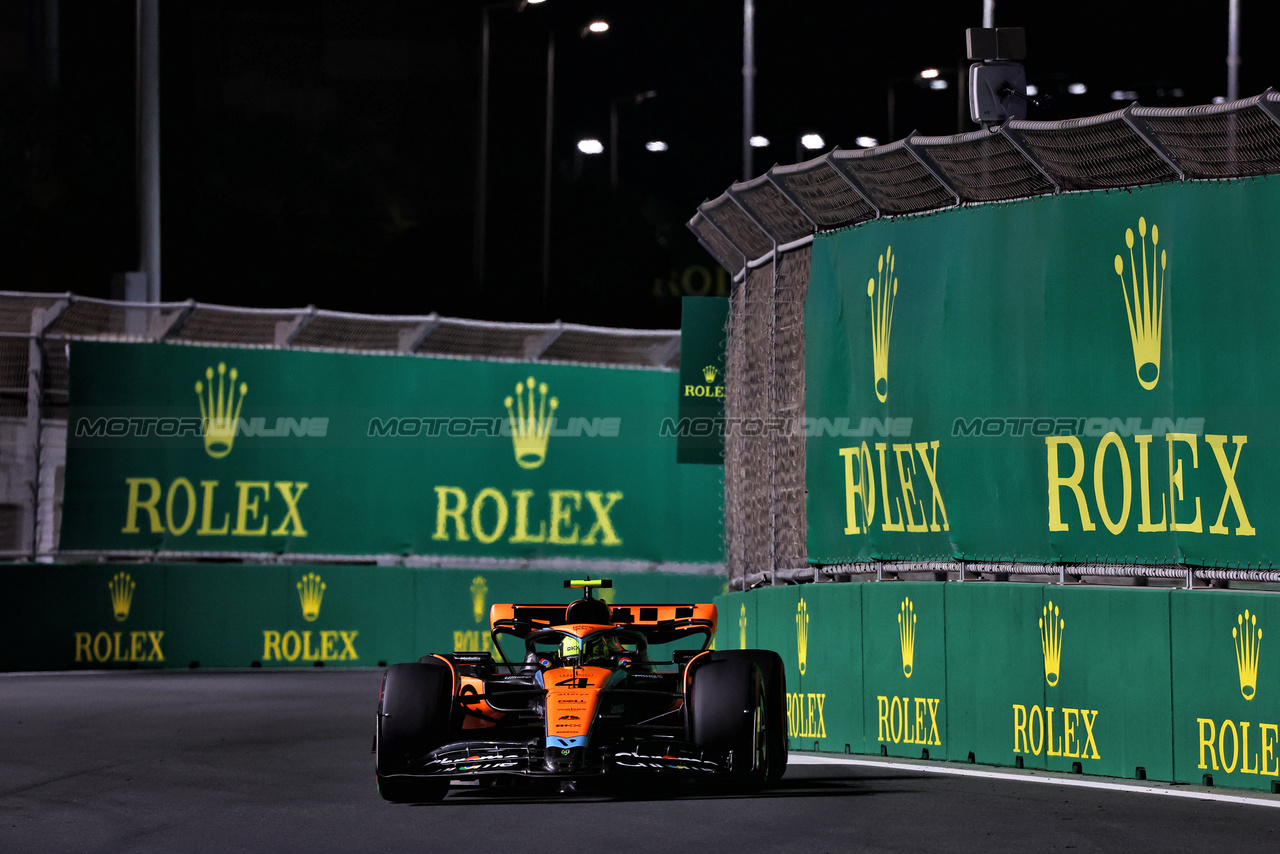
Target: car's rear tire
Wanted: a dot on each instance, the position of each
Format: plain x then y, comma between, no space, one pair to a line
773,674
413,718
728,718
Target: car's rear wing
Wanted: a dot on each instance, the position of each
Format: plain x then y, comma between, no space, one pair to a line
660,619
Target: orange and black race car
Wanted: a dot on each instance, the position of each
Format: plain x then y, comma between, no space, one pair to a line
587,692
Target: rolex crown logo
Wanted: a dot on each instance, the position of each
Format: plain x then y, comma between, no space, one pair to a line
220,409
311,591
742,627
478,590
1051,626
531,421
709,373
802,634
1144,304
907,636
1248,641
883,292
121,587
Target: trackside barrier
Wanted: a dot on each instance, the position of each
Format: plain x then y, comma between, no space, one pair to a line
1172,685
1002,262
39,330
125,616
240,451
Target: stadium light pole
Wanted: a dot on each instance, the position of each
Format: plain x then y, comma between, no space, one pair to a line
637,98
148,144
807,142
596,27
1233,51
482,155
748,85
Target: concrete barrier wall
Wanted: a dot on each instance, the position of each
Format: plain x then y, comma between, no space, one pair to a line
1171,685
62,617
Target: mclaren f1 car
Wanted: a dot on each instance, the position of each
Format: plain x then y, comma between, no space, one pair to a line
580,694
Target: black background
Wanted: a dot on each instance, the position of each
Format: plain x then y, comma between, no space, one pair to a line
325,151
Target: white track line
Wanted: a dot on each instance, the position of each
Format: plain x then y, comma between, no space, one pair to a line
1025,776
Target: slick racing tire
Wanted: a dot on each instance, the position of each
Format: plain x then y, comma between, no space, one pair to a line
413,718
729,719
774,676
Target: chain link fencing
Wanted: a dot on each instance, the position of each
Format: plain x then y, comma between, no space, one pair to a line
761,230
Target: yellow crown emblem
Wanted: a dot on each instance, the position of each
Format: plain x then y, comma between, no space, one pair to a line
709,373
742,628
907,636
121,587
1248,641
802,634
882,293
1146,308
311,591
1051,626
220,409
531,422
478,591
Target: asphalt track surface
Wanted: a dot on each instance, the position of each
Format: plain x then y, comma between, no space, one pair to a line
280,762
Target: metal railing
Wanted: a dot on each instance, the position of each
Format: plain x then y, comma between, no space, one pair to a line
760,231
1129,147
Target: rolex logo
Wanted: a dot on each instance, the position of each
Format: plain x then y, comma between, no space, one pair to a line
1248,641
121,587
907,636
882,291
1051,626
709,373
531,421
220,409
478,591
311,591
742,627
1144,304
802,633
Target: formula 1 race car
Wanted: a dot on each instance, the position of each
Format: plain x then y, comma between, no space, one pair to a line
581,694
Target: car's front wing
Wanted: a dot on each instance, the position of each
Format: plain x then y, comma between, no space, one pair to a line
532,759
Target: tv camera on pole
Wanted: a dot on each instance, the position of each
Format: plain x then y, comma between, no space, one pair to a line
997,80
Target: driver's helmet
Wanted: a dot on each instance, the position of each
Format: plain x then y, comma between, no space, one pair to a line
570,648
599,650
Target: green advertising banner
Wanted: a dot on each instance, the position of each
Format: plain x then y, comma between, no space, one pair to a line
196,449
1086,377
700,432
996,674
904,669
826,710
1106,707
1141,683
112,616
1226,688
737,621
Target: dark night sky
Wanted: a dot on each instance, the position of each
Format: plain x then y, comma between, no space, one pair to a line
324,151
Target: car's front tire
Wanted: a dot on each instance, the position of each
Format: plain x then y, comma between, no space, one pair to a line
728,717
413,718
773,675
